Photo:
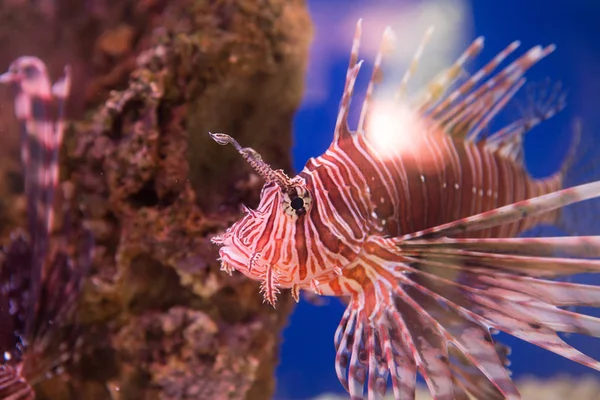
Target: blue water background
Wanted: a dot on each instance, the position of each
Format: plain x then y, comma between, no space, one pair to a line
307,355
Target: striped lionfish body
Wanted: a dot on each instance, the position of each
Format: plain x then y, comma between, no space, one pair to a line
421,235
40,278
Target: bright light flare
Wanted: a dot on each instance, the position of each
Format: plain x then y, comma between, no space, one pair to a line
410,20
393,128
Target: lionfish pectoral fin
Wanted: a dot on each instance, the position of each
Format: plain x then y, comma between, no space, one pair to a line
534,206
364,351
465,286
13,386
395,326
510,290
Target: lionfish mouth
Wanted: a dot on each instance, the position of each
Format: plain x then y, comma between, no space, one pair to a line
234,255
228,256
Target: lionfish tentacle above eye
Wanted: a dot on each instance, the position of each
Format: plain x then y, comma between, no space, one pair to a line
255,160
422,235
41,279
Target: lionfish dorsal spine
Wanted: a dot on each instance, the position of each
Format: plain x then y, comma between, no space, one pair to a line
387,45
413,66
342,130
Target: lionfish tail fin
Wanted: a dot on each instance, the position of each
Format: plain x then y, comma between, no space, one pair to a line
581,164
13,386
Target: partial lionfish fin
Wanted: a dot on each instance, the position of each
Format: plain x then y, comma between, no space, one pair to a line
438,88
511,213
365,350
269,287
395,324
412,69
39,107
581,164
387,43
417,295
468,110
45,280
446,102
342,130
510,296
15,298
468,378
13,386
54,345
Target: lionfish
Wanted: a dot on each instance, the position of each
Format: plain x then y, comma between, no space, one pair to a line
40,277
423,239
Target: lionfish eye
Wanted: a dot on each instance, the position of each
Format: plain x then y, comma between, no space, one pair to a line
30,71
297,204
296,201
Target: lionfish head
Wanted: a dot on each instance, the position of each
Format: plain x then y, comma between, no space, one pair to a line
27,71
260,244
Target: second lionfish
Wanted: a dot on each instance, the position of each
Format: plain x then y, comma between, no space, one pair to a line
422,238
42,268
